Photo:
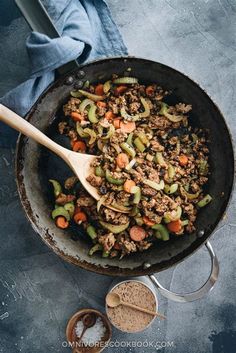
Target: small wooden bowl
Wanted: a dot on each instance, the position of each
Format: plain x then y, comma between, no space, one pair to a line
71,334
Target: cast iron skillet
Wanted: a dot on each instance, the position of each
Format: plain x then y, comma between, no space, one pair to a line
35,165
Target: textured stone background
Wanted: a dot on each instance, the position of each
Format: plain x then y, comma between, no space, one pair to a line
38,291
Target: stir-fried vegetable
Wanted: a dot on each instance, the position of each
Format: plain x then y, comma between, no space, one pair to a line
56,187
128,149
125,80
161,232
81,131
137,196
115,229
154,185
130,139
92,96
203,202
92,134
140,146
70,208
151,169
91,232
60,211
138,116
171,189
99,171
84,104
171,117
107,86
92,114
95,248
188,195
113,180
160,160
173,215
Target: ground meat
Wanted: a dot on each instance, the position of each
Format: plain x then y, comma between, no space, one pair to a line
107,241
156,146
153,175
190,228
94,180
63,127
183,108
114,107
85,201
70,182
62,199
115,217
118,137
72,106
147,191
158,134
122,197
134,107
143,245
101,111
72,135
195,187
127,246
152,215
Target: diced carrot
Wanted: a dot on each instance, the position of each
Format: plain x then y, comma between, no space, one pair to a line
183,160
99,90
148,221
101,104
127,126
175,226
80,217
119,90
110,115
61,222
122,160
128,185
76,116
116,123
137,233
79,146
149,90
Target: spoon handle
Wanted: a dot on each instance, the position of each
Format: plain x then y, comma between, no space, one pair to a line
16,122
133,306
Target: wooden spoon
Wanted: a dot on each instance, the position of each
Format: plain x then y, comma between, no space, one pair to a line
80,163
113,300
88,320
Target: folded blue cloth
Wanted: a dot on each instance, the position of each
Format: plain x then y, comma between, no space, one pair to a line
87,32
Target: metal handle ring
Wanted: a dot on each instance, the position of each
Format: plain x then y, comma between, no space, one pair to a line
199,293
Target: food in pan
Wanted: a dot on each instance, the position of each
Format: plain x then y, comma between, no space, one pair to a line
152,165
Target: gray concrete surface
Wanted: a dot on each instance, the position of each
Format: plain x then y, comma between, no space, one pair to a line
38,291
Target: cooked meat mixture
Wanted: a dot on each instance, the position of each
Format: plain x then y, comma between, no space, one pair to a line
152,166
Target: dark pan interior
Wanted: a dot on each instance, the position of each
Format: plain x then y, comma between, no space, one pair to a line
35,165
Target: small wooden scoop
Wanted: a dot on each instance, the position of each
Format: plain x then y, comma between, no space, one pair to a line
80,163
113,300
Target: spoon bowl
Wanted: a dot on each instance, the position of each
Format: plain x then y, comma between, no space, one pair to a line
113,300
80,163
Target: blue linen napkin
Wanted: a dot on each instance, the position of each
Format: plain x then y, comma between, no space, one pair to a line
87,32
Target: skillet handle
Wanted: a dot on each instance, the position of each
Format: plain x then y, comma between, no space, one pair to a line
39,20
199,293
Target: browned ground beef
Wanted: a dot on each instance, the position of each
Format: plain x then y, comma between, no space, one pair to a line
156,167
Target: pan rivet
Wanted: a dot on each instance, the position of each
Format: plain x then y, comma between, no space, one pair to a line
69,80
201,233
80,74
78,84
